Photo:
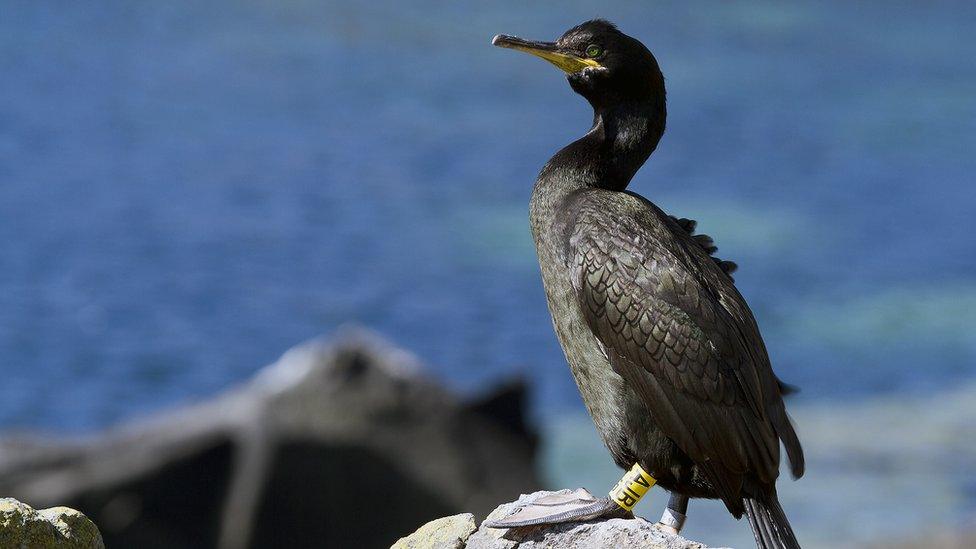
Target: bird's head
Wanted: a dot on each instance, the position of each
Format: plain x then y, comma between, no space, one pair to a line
602,64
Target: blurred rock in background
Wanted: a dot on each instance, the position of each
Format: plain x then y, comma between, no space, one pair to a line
335,443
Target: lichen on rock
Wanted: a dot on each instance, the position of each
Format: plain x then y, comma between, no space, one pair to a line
23,527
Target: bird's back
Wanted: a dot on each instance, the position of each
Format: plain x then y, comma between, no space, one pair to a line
645,314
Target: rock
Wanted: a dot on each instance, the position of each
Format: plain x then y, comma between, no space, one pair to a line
444,533
21,526
343,444
599,534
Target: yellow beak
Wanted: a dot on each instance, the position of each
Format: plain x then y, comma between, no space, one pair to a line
567,62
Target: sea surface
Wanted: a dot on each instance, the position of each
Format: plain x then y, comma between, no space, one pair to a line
187,189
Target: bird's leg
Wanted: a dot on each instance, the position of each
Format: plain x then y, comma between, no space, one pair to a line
579,505
674,514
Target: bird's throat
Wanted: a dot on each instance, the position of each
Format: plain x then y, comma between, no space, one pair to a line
628,135
608,156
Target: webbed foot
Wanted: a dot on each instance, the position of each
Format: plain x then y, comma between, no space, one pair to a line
576,506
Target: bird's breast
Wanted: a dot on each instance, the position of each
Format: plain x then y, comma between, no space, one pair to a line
600,387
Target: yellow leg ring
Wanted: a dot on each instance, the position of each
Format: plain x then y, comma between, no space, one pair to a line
632,487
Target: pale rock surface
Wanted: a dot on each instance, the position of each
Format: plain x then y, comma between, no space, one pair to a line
599,534
443,533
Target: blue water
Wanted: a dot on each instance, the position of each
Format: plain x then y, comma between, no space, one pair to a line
189,188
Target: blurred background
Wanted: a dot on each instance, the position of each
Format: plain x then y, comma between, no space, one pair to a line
188,189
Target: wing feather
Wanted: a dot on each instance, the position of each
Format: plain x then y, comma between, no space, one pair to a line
679,333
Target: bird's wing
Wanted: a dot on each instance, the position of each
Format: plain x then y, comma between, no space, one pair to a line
680,335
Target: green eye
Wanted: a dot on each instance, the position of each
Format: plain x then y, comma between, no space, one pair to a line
593,50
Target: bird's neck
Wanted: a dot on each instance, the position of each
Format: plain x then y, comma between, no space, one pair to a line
622,138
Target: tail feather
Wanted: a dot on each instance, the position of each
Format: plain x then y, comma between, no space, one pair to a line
770,525
787,433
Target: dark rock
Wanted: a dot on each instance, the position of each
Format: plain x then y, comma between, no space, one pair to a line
335,445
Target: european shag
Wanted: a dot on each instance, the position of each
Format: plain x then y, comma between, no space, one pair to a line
666,354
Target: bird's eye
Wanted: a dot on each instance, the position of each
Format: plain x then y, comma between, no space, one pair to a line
594,51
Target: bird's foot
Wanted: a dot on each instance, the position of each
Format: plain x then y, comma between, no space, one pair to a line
579,505
576,506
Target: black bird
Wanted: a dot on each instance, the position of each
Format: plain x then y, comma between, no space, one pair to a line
666,354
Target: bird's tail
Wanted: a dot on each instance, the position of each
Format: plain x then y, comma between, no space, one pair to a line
769,524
